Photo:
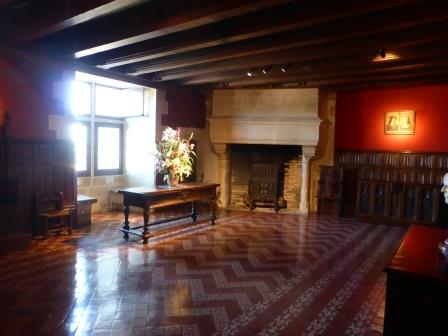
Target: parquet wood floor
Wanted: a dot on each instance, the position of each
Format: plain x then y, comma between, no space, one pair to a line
250,274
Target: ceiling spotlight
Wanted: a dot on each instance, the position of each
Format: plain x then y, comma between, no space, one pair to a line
250,73
284,67
266,70
383,55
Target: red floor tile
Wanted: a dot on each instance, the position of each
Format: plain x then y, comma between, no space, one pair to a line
251,273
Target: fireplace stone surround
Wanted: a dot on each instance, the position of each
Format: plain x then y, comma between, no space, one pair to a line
286,158
264,116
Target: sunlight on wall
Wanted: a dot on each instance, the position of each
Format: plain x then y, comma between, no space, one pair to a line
140,144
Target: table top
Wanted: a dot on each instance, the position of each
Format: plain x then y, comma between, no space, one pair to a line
165,189
419,254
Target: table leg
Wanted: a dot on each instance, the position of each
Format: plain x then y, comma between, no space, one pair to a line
213,210
194,213
145,223
126,221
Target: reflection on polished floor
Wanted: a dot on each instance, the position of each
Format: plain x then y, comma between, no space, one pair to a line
251,273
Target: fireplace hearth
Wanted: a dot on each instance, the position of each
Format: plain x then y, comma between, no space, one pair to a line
244,159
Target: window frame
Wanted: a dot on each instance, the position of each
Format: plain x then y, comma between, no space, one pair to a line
88,171
115,171
93,121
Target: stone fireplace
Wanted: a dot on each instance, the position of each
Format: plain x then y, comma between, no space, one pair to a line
284,117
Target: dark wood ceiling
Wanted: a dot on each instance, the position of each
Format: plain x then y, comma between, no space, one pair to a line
210,44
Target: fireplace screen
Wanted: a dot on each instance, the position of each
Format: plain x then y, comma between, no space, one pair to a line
263,186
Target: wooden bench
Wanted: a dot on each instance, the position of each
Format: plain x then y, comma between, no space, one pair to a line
84,210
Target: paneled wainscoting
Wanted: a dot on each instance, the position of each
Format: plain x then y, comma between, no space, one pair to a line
385,187
251,273
43,167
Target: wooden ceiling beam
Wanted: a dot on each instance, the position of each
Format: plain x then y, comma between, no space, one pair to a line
410,80
344,48
339,82
26,25
347,62
38,61
370,82
327,73
144,24
310,37
199,44
278,20
366,80
352,83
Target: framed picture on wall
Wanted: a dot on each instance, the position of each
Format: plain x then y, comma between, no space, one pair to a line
399,122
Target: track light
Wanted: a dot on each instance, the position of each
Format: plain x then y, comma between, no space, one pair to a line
266,70
250,73
383,55
284,67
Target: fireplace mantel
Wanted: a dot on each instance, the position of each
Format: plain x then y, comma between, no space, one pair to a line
282,131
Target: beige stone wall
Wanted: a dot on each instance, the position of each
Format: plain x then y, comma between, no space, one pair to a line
209,163
102,188
325,148
265,103
293,182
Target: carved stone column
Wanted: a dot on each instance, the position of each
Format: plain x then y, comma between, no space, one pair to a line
224,173
307,153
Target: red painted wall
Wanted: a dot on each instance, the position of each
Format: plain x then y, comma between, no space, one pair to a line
360,118
185,109
27,91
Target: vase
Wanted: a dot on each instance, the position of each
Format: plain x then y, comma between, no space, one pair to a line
172,181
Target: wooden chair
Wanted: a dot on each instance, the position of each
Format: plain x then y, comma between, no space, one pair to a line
52,209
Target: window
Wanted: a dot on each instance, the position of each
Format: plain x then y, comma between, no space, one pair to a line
108,149
97,134
81,138
118,103
81,98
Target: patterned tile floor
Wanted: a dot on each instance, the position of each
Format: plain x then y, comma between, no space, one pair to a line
250,274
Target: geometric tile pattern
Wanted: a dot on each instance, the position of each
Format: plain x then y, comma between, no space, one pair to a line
251,273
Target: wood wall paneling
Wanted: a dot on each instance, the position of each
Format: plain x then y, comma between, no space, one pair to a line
391,187
39,166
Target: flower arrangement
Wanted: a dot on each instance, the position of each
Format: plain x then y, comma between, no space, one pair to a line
174,156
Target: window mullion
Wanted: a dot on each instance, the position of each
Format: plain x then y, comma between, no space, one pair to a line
92,130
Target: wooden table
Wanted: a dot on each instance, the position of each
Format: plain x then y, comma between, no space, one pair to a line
164,196
417,285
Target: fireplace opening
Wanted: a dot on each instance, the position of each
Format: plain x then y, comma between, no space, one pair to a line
255,162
